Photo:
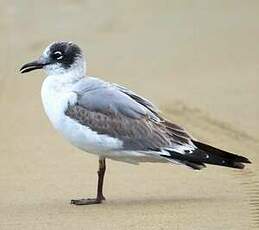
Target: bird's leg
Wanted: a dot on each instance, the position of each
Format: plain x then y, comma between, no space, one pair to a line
100,197
101,173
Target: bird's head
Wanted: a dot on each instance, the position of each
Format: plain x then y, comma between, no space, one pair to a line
57,59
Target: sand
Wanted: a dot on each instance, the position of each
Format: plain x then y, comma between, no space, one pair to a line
198,61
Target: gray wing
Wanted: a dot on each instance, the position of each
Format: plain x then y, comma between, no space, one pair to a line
100,96
117,112
143,101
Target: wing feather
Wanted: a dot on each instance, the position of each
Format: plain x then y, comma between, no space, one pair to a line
136,134
115,111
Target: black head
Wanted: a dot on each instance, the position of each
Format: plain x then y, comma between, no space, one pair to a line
64,53
57,57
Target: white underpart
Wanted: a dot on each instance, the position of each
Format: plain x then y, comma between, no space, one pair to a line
56,93
135,157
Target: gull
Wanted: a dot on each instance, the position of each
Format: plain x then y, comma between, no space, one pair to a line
112,121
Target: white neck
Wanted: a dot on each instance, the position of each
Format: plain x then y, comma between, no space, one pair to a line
75,72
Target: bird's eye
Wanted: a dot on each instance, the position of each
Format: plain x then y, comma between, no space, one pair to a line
57,55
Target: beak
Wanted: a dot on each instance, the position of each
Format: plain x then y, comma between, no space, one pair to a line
38,64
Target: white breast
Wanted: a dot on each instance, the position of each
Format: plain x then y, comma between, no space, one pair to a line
55,97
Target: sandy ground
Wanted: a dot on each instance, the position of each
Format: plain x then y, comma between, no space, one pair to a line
197,60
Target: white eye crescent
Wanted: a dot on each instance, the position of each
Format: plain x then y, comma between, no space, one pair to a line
58,55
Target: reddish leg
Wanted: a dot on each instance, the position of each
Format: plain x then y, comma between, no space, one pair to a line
100,197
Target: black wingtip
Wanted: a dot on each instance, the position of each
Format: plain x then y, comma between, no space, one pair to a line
221,157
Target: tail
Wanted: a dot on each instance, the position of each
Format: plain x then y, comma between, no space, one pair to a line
206,154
